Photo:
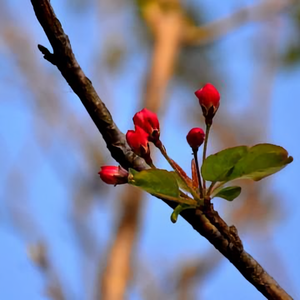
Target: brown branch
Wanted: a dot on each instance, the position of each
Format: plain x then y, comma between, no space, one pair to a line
193,35
64,58
226,240
214,229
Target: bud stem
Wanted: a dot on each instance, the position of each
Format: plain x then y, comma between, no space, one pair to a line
214,187
195,152
210,188
204,152
172,164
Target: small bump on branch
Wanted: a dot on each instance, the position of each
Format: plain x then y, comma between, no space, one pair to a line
48,55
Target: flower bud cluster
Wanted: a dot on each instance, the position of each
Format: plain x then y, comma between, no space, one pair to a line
146,130
209,100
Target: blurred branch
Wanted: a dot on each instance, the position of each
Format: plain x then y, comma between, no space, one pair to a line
193,35
195,269
167,38
117,271
164,54
39,255
208,224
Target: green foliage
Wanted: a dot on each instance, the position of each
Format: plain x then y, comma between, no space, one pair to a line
179,208
239,162
253,163
216,167
229,193
155,181
182,185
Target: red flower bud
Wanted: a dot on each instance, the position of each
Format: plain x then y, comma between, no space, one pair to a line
147,120
195,138
209,99
113,175
138,141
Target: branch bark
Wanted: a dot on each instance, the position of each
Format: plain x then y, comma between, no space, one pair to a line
64,58
208,224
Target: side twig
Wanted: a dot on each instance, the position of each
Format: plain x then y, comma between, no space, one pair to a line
213,228
207,33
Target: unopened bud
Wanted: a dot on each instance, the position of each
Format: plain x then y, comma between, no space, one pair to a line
148,121
113,175
195,138
138,141
209,100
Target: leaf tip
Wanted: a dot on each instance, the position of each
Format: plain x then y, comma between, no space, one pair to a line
174,217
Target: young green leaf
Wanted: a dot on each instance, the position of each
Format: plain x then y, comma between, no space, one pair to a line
262,160
253,163
182,185
178,209
218,166
229,193
155,181
176,212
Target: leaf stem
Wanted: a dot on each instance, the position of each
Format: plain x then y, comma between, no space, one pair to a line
213,187
210,188
195,152
204,152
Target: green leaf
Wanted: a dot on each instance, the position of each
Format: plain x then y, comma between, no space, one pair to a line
155,181
262,160
182,185
178,209
174,216
188,184
229,193
216,167
253,163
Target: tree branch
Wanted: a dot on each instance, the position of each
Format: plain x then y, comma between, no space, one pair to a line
194,35
64,58
209,225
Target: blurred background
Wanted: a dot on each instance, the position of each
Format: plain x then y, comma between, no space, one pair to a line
66,235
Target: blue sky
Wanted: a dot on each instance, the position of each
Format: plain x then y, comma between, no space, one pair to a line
45,199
